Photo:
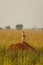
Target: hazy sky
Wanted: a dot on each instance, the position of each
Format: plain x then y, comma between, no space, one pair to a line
27,12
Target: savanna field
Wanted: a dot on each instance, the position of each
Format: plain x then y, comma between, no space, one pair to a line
21,56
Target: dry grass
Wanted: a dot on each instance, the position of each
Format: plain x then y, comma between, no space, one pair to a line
34,37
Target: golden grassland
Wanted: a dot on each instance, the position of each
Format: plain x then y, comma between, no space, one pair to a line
33,37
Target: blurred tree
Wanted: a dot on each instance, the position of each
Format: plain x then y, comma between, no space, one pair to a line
19,26
41,28
7,27
0,28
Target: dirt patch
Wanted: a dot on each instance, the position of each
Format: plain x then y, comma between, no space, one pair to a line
24,46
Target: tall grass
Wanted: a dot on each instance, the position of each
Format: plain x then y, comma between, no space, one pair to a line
34,38
20,57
